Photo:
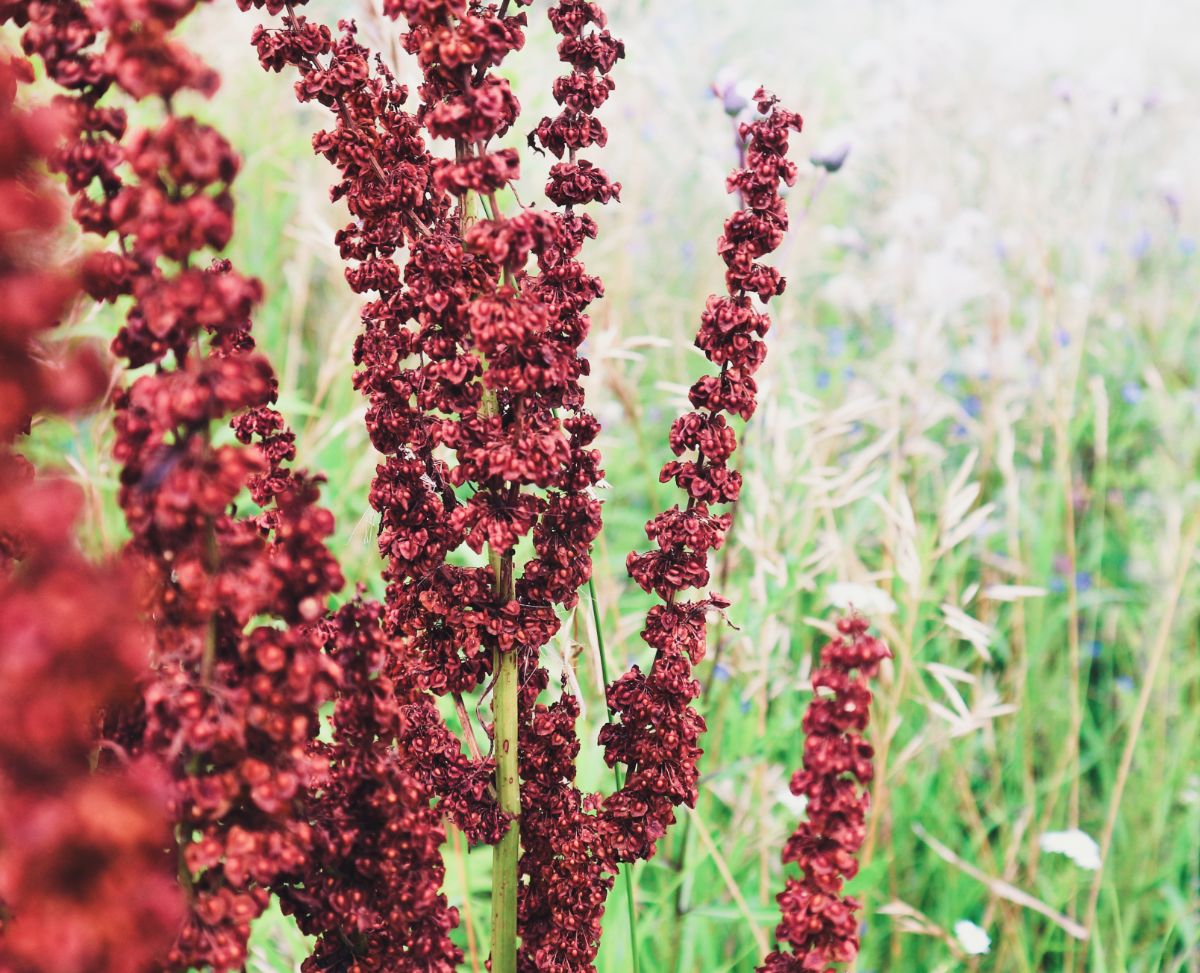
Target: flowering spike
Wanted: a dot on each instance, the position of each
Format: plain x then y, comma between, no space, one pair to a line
463,348
370,889
238,675
415,362
565,884
818,922
83,882
657,732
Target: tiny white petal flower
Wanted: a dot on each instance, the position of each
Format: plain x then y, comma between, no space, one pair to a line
974,939
1079,846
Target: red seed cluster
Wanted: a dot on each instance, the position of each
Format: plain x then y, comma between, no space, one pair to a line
658,730
238,673
85,883
818,922
591,52
413,360
465,353
565,881
369,890
731,336
465,348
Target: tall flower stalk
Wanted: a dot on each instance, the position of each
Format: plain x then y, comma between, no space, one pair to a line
84,883
466,350
819,924
657,731
237,675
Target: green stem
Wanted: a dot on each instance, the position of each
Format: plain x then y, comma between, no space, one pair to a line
599,637
506,853
626,870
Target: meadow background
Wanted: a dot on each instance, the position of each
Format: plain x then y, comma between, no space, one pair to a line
980,425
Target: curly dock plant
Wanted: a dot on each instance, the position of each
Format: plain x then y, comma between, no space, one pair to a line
471,361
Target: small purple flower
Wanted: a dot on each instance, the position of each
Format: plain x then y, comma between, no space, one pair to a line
832,159
734,93
1132,393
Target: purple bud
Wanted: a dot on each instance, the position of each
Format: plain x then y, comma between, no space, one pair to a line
831,160
736,95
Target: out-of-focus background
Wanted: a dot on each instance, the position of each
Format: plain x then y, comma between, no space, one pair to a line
980,426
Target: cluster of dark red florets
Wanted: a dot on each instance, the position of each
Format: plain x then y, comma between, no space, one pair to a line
818,922
565,881
467,349
85,881
369,890
414,360
658,730
462,350
592,52
238,673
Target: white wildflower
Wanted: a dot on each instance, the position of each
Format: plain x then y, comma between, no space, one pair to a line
974,939
1079,846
